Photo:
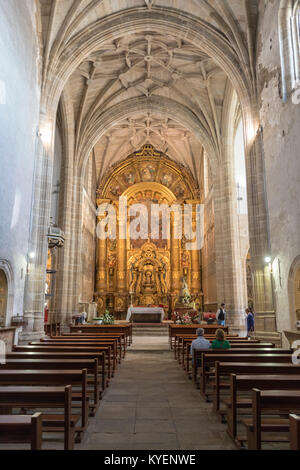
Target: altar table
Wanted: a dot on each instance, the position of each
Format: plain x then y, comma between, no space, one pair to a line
145,314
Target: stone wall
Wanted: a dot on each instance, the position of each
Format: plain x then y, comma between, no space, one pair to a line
19,115
281,139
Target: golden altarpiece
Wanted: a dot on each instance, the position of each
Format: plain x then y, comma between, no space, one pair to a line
146,271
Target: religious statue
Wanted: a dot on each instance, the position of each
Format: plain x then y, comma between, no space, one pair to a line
184,286
134,278
148,283
162,280
184,294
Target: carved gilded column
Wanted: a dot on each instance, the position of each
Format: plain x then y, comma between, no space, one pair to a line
101,270
195,287
121,293
175,252
122,258
122,266
196,273
101,266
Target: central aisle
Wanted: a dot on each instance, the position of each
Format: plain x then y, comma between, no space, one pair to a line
150,404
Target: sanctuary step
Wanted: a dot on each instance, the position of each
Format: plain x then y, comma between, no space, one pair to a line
149,329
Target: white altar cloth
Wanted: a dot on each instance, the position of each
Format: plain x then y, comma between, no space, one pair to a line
145,310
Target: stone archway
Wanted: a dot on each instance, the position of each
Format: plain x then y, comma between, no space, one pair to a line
3,297
6,292
67,53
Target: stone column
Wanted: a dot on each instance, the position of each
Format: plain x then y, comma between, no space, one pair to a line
228,267
265,317
34,293
64,308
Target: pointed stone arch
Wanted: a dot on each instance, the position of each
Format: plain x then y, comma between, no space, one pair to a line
295,267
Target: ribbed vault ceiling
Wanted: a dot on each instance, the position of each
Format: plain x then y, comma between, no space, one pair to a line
145,65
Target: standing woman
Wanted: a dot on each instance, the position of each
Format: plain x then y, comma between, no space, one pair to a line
250,321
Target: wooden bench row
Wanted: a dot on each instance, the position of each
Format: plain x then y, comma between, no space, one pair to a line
175,329
125,328
181,339
258,388
67,376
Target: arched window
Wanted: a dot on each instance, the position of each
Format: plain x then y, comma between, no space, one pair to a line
289,37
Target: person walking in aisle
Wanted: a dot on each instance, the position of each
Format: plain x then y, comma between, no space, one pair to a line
221,315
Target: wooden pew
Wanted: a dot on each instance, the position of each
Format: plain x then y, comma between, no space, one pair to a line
86,345
235,353
116,350
74,351
273,402
245,383
209,360
294,431
45,397
57,355
180,340
91,365
52,328
116,328
76,378
120,337
255,347
225,369
184,343
183,329
22,429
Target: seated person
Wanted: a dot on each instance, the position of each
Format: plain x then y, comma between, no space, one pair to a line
199,343
220,342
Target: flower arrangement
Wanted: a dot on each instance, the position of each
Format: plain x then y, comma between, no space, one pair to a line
185,318
107,318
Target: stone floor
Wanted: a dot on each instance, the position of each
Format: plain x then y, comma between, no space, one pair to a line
151,405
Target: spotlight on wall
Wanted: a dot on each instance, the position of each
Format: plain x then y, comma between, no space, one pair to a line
45,133
268,259
31,255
